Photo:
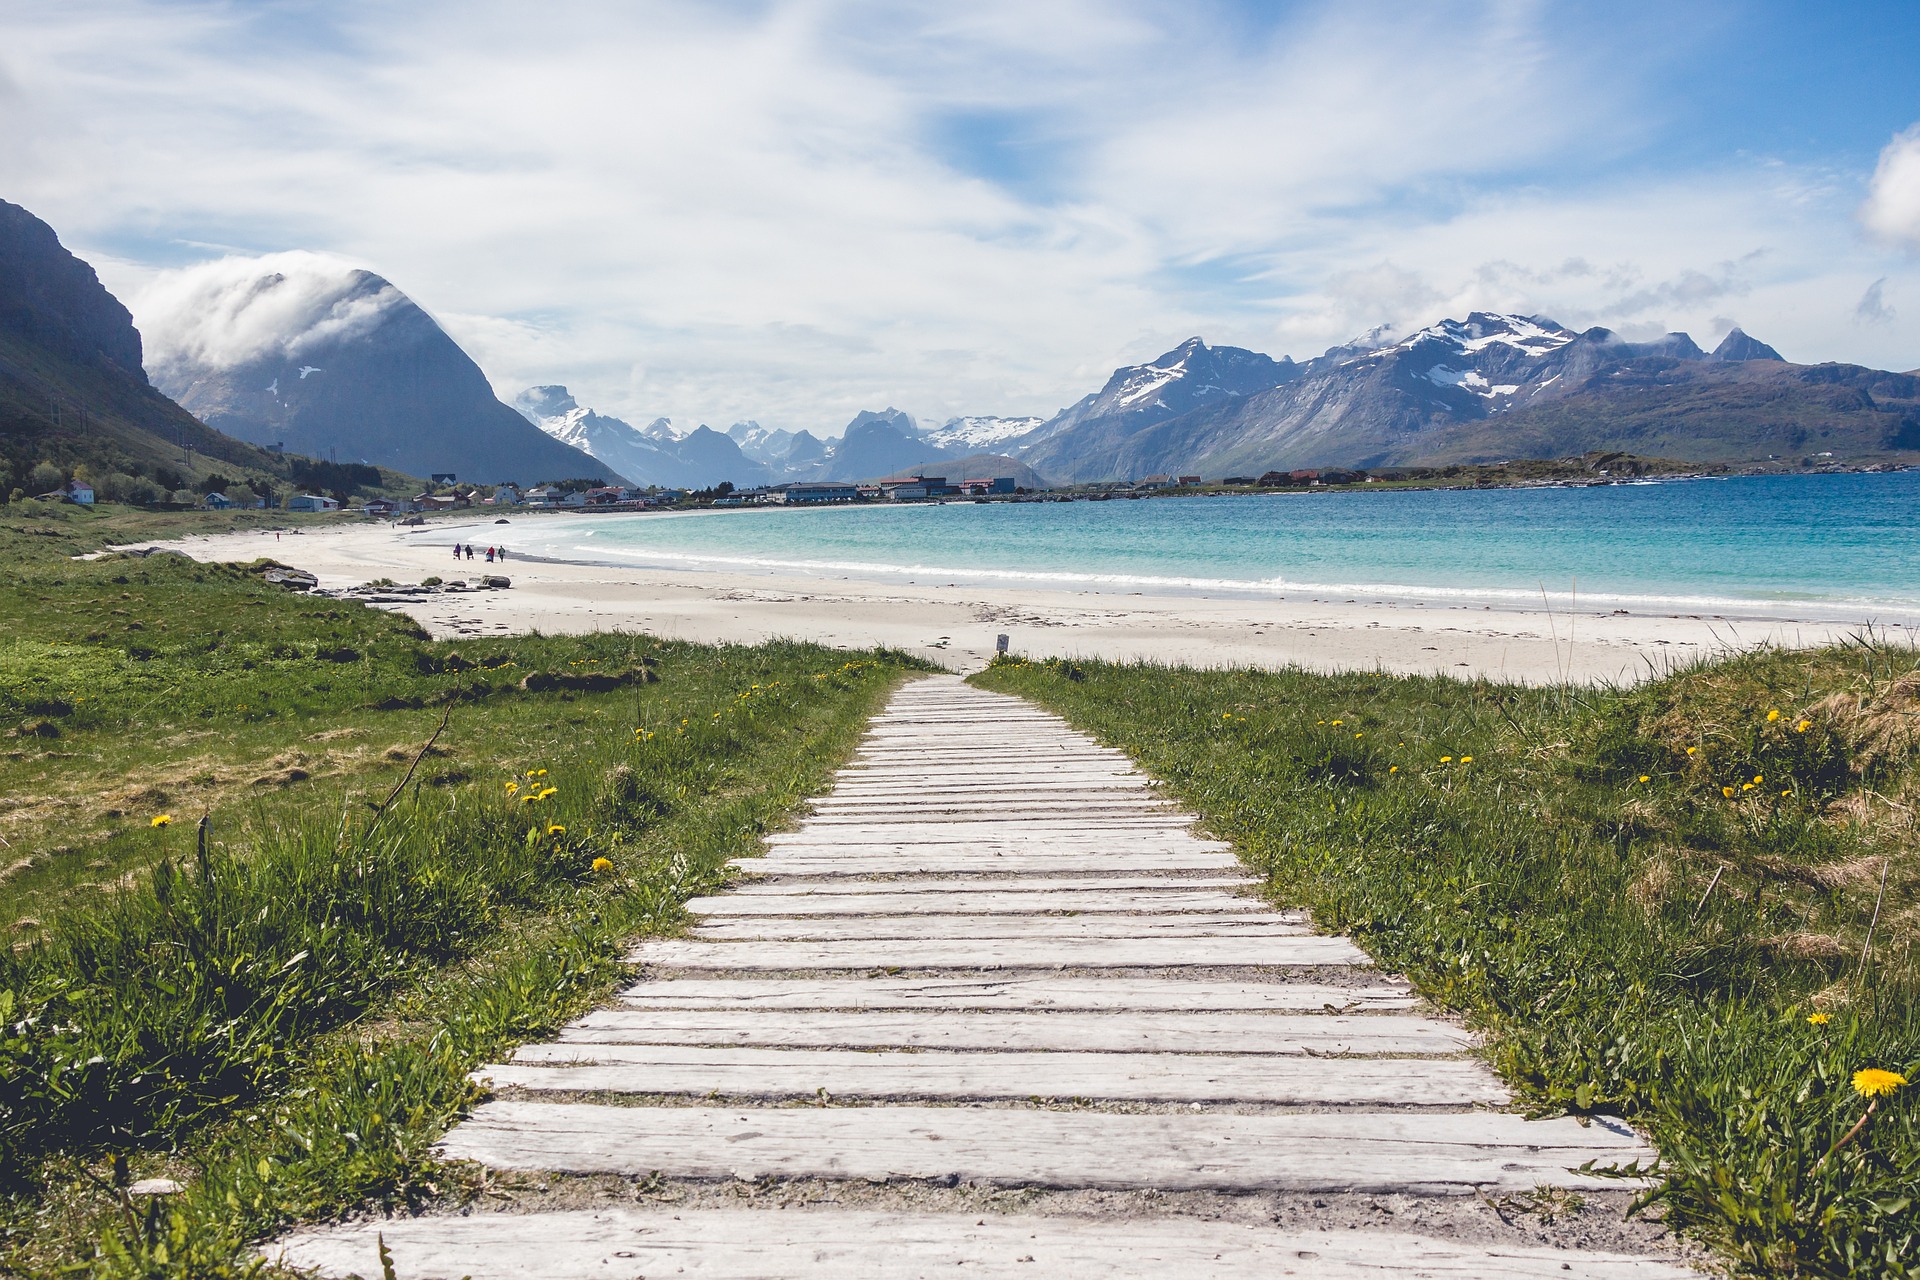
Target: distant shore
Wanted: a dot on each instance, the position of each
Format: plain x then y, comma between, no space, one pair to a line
956,624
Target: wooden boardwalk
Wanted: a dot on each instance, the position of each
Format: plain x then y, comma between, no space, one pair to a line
994,1010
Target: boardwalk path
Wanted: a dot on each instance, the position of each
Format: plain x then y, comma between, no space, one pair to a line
995,958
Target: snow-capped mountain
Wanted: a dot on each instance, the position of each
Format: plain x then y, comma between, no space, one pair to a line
1190,376
975,435
655,454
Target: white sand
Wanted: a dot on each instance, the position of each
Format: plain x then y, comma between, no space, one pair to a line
956,624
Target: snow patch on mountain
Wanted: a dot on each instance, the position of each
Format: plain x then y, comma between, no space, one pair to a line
974,434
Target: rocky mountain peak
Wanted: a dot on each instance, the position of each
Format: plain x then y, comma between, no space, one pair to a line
550,401
55,300
1738,345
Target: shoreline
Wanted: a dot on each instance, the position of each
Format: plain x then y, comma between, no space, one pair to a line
955,623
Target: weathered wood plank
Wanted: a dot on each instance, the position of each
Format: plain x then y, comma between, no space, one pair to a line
616,1242
997,901
909,861
920,927
968,1074
1015,991
1122,1031
1003,953
975,886
1433,1153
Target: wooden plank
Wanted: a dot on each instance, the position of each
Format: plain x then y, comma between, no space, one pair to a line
1005,953
617,1242
910,861
999,901
1015,991
976,886
917,927
1420,1153
968,1074
1122,1031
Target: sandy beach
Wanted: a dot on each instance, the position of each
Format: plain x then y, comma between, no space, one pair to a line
955,624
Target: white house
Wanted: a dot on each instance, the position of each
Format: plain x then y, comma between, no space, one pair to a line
79,491
311,502
506,495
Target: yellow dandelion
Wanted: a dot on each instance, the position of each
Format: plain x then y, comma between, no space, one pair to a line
1786,793
530,797
602,864
1446,759
548,791
1746,786
1319,721
1758,779
1466,759
555,829
163,820
1727,792
1819,1019
1803,726
1226,715
1693,751
1646,777
1338,722
513,788
1872,1082
1772,716
1394,769
536,773
1359,735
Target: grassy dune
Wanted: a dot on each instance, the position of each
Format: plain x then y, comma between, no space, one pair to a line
283,871
1656,902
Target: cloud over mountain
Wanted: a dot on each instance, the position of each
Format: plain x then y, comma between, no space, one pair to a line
1892,209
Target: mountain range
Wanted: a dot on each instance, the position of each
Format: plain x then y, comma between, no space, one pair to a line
874,445
1487,388
315,357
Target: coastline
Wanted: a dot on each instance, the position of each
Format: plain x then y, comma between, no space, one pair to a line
954,623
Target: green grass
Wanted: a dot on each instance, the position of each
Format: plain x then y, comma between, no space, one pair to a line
1556,866
282,1013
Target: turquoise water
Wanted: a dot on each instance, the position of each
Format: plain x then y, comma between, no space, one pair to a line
1834,546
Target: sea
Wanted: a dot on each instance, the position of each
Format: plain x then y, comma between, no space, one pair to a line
1841,547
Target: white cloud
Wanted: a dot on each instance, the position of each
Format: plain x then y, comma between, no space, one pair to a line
1892,209
234,310
791,210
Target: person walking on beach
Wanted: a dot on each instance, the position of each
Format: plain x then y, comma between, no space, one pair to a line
489,555
503,555
456,551
469,551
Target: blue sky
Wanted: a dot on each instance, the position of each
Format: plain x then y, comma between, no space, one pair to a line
794,209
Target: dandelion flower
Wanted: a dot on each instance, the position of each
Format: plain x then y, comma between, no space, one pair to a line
1446,759
163,820
1773,715
548,791
555,829
1693,751
530,797
1466,759
1872,1082
1226,715
1786,793
1758,779
1746,786
1819,1019
602,864
1394,769
1727,792
1646,777
1803,726
1339,722
513,788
